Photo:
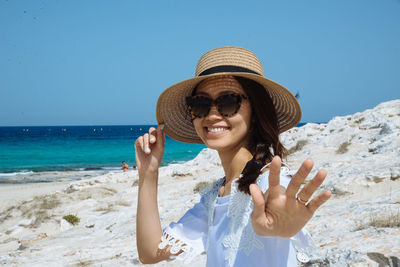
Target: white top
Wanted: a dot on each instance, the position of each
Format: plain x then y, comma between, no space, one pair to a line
221,226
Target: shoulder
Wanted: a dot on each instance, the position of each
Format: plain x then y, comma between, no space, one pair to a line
210,188
209,193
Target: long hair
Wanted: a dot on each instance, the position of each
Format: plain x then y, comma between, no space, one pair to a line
263,137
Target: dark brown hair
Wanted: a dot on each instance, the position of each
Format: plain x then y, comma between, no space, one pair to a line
264,141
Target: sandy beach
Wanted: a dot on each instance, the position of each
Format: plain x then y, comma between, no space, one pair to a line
358,226
14,193
34,233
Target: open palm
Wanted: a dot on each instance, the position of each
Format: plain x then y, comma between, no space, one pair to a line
283,212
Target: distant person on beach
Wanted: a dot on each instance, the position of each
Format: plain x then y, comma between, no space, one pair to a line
255,214
134,167
125,167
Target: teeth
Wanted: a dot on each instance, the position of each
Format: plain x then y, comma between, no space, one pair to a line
215,130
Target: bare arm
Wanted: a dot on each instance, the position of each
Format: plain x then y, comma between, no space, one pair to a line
148,226
149,150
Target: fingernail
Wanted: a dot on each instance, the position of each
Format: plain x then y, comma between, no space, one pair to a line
152,139
147,150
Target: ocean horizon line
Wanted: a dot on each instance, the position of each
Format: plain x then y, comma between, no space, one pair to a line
107,125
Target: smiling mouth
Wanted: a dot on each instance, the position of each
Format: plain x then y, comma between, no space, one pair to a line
216,130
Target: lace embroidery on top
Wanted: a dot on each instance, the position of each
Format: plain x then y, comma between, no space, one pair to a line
210,198
177,245
241,235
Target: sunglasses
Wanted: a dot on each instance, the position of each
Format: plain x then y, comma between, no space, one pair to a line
227,105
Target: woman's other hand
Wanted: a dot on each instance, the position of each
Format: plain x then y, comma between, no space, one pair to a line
282,212
149,150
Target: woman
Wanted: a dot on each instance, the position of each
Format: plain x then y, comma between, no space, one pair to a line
255,214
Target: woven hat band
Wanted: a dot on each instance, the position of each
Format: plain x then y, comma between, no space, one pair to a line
227,68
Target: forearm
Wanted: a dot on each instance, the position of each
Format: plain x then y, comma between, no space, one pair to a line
148,226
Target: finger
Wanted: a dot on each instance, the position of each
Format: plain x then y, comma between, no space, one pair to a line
275,172
258,201
139,144
309,189
316,202
299,177
146,147
152,135
160,134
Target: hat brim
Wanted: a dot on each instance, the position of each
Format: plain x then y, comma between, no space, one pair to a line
172,111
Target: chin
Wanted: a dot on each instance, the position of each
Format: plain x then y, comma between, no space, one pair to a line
213,144
221,144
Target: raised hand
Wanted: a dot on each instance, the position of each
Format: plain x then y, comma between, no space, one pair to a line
283,212
149,150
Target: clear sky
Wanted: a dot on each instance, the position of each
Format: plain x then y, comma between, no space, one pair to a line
106,62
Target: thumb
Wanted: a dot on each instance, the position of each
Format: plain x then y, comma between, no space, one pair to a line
258,200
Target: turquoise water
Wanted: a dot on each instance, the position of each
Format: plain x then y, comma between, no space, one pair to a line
26,152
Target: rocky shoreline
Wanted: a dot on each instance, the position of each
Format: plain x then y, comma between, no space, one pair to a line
360,224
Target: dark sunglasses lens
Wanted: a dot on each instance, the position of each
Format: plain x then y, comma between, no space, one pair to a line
200,106
228,104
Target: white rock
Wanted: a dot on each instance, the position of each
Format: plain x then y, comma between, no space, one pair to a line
14,230
25,222
64,225
9,246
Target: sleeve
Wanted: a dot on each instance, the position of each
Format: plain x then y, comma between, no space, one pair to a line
189,234
305,248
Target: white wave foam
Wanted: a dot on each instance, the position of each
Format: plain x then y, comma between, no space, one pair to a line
12,174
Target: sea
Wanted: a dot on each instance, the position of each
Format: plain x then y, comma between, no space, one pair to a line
65,153
37,154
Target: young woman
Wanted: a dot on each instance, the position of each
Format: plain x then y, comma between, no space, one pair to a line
255,214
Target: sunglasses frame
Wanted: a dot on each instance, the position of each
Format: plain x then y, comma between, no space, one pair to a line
214,102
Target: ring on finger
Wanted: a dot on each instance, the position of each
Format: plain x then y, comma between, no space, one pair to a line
301,200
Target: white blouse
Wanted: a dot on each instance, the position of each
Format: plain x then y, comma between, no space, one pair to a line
221,226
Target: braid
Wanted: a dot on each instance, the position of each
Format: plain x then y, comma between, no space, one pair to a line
264,141
253,167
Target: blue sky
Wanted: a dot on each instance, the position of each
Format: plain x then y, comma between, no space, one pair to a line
106,62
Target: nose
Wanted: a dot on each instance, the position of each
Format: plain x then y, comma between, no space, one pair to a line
213,114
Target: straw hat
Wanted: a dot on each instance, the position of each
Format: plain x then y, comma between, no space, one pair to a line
171,105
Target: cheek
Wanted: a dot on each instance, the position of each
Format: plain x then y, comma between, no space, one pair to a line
197,126
244,123
246,115
241,124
